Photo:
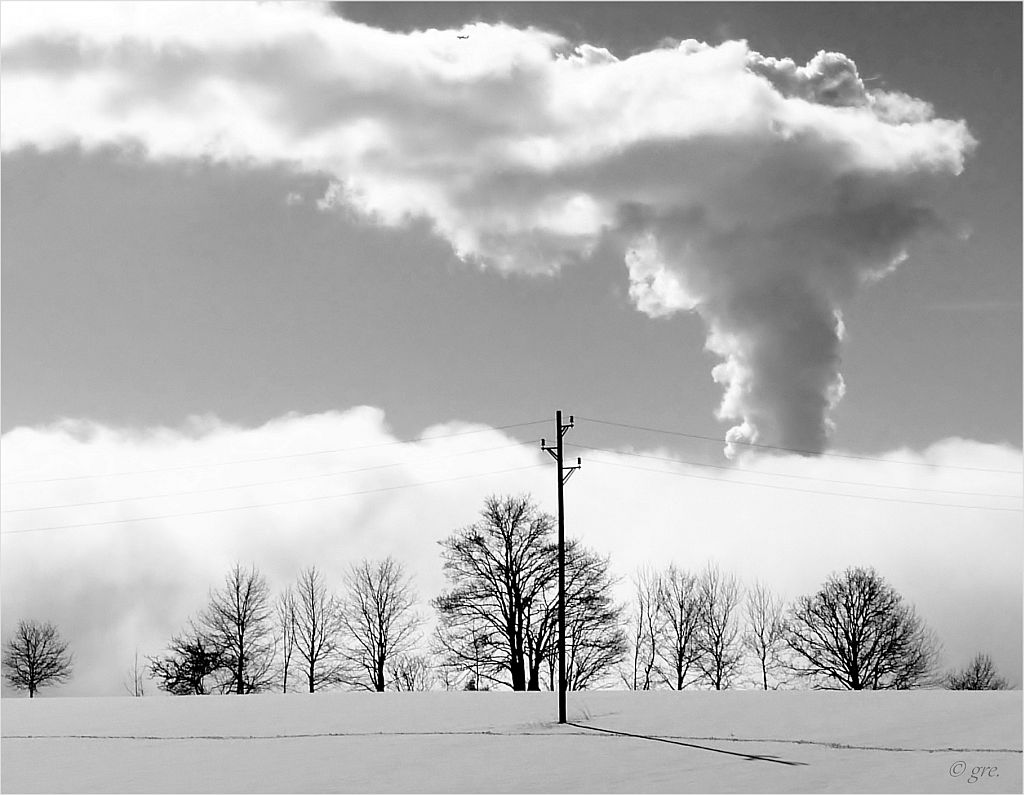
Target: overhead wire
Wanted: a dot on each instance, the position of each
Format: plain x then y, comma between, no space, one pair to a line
789,475
199,465
796,450
269,504
806,491
273,482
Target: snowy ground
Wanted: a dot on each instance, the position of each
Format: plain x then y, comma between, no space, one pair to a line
927,741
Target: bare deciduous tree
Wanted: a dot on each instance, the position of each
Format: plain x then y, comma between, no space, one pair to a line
718,636
680,605
504,575
981,674
858,633
318,631
379,619
499,568
135,682
285,614
238,622
411,672
464,651
448,675
646,625
190,662
765,636
36,656
595,642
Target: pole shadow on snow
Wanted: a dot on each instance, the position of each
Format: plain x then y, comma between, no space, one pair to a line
749,757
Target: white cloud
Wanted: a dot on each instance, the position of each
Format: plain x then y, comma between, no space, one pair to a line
756,192
113,587
117,587
657,290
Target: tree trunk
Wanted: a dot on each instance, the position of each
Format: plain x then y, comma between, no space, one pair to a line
518,673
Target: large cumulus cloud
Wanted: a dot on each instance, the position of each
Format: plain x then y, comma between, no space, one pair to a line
752,190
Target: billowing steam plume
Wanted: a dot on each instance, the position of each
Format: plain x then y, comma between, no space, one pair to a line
756,192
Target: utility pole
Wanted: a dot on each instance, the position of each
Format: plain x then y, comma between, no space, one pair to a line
564,473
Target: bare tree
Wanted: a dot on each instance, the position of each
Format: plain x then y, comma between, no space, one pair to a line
680,606
318,631
463,651
447,674
501,613
981,674
379,619
858,633
287,618
595,642
191,661
718,635
411,672
135,683
238,622
646,625
765,637
499,568
36,656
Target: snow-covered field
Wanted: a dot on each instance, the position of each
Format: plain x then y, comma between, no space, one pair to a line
924,741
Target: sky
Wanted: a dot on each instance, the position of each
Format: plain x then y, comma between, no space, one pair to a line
237,236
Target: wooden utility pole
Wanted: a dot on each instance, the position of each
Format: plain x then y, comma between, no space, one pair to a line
563,473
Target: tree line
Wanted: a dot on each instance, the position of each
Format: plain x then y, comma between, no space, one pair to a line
308,638
497,627
704,629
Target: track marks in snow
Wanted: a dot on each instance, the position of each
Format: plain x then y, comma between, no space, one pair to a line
586,731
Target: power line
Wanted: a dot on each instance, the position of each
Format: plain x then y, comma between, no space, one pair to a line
269,504
258,483
275,457
805,491
798,477
797,450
